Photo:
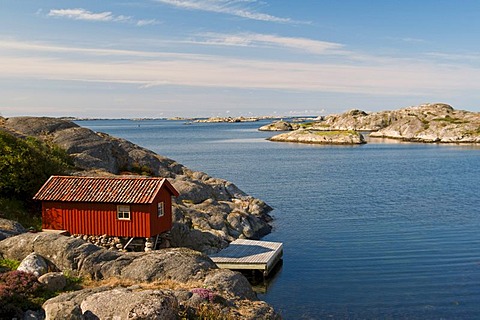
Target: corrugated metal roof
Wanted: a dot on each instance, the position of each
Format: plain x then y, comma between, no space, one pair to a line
102,189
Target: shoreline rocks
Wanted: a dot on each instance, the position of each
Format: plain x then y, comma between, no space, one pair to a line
230,292
200,212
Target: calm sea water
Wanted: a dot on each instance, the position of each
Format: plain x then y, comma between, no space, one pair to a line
380,231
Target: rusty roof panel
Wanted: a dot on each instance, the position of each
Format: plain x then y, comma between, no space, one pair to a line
102,189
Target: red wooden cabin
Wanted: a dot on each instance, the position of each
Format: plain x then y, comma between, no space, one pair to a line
122,207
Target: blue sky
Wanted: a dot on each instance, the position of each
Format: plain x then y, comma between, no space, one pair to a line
162,58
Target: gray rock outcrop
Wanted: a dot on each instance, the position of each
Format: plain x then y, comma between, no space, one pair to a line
204,201
280,126
432,122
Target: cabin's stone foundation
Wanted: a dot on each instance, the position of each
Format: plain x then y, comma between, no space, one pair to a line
119,243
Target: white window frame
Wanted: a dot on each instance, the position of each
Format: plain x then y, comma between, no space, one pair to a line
123,212
160,209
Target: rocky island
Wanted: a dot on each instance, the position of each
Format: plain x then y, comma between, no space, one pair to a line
321,137
179,282
433,122
228,119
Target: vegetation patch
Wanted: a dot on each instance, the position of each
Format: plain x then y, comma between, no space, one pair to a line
137,169
450,119
426,124
9,264
25,165
20,211
306,125
336,133
20,291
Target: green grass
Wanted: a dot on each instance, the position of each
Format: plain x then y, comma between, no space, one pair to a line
335,133
306,125
9,264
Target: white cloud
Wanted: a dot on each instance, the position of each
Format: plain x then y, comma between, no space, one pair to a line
267,40
244,9
146,22
82,14
107,16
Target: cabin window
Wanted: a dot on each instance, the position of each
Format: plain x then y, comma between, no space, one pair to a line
161,209
123,212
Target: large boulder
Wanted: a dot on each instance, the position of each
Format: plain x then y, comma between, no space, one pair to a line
231,282
53,281
33,263
124,303
67,305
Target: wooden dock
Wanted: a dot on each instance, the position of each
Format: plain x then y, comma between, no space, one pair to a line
245,254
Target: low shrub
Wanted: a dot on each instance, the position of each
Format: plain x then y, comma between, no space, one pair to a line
19,291
204,293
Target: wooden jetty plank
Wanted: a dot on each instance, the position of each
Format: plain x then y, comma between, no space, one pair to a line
249,255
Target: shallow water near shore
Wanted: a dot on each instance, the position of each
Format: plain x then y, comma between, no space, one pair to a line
382,230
